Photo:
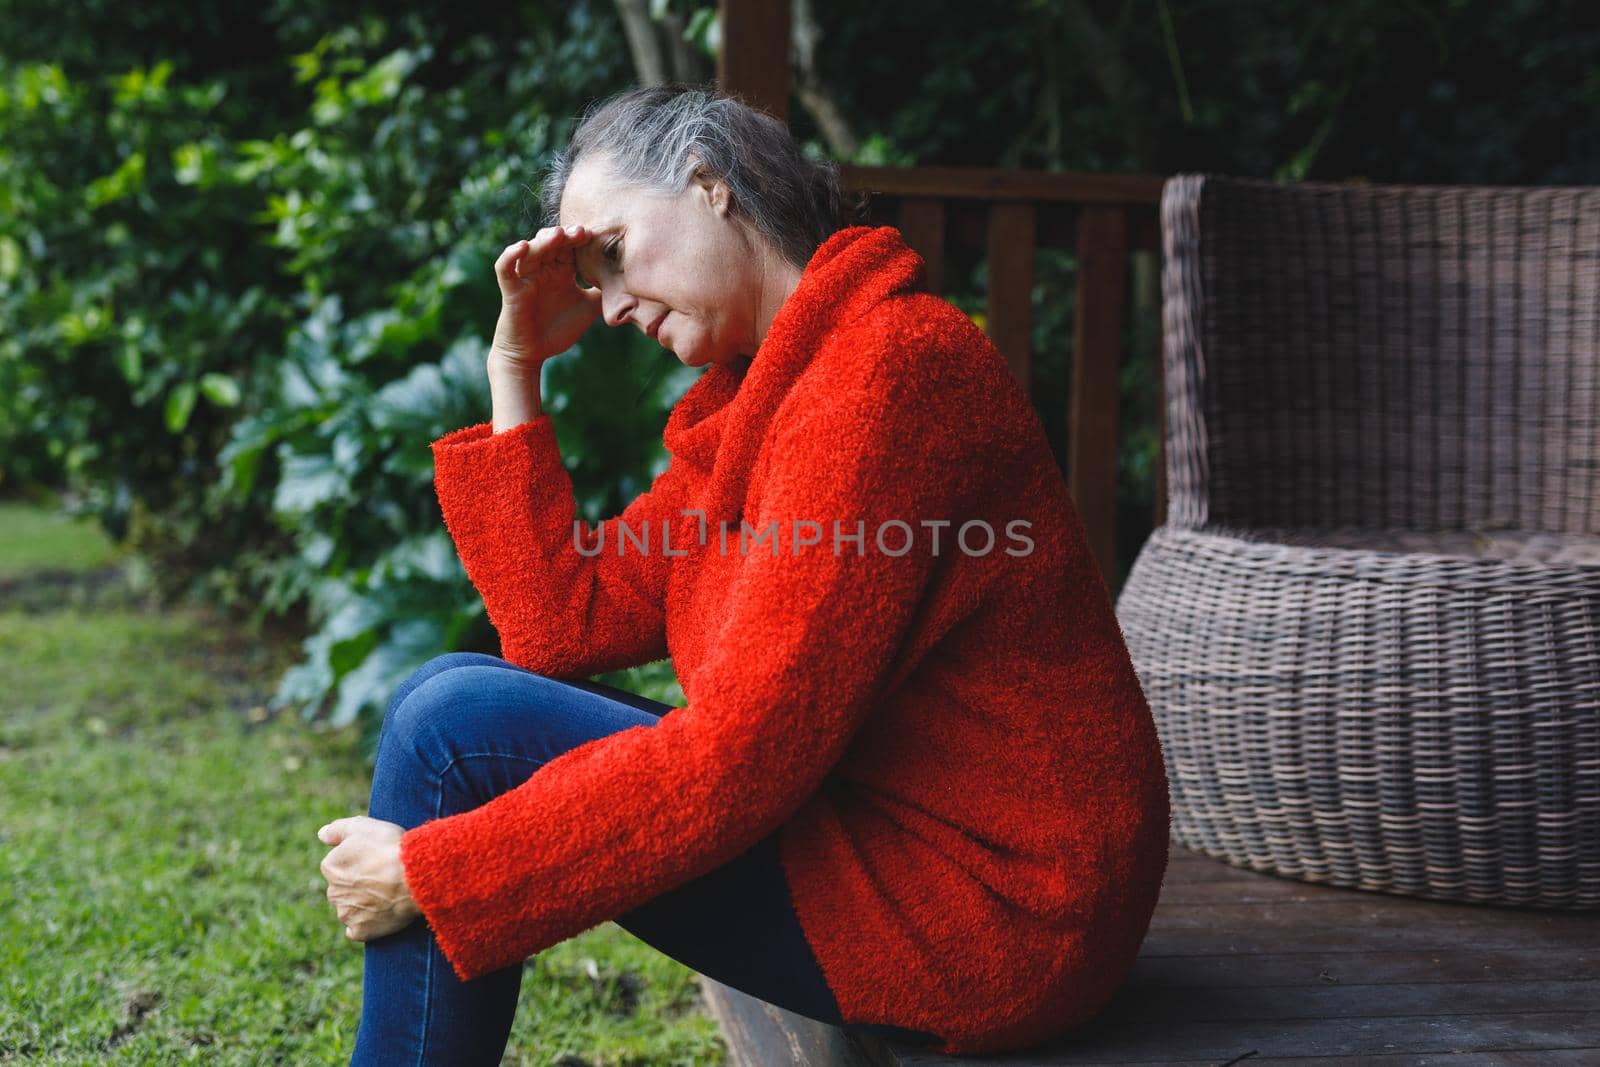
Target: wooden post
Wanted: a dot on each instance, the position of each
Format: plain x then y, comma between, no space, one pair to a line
1011,286
1096,373
922,226
1144,256
753,60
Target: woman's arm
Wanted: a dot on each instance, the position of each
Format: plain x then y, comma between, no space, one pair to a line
543,312
507,499
508,504
809,642
513,392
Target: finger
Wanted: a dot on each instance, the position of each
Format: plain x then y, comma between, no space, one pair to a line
337,830
510,250
539,245
554,240
519,262
509,255
543,253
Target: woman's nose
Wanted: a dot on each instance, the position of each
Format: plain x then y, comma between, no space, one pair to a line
615,305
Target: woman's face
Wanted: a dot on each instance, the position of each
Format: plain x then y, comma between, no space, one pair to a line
680,265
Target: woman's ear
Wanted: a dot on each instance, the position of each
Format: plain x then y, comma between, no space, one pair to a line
722,198
717,193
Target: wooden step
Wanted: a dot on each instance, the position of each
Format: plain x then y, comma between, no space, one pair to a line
1243,967
764,1035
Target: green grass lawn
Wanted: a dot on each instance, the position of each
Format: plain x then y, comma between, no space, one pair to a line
34,538
159,887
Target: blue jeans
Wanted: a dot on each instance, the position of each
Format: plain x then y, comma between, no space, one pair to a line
466,727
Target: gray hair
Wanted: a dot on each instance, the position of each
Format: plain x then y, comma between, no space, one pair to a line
660,137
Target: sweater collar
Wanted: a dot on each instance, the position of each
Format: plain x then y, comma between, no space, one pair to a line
851,272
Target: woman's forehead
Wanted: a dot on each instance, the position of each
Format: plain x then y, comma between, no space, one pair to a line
597,200
592,197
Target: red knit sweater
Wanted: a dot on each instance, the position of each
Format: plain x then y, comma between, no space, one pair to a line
971,796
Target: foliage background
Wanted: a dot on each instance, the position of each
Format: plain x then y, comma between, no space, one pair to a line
245,253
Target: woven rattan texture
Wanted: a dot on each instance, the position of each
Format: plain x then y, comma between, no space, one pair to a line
1370,632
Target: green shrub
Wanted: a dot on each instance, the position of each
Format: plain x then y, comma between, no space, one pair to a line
242,302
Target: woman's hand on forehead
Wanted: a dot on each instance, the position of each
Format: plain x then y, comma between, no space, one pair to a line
540,258
586,246
543,309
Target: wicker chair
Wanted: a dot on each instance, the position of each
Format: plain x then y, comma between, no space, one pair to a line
1370,628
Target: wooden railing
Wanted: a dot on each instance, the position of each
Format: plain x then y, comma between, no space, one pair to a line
1005,216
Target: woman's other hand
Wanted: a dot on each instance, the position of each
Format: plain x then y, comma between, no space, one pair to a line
543,310
366,881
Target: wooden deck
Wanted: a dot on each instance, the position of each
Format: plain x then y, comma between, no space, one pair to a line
1241,967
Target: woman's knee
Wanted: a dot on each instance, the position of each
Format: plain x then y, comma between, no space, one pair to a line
477,708
435,666
449,744
437,712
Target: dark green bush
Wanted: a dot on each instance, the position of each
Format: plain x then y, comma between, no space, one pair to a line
234,329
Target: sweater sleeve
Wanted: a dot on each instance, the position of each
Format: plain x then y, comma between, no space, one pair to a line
806,645
508,504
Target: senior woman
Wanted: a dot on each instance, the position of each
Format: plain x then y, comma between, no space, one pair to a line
914,789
